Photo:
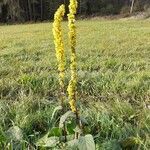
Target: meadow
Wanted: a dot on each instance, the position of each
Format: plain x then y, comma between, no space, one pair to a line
113,82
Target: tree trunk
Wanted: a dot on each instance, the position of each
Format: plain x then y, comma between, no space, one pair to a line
33,11
30,9
80,6
41,10
132,5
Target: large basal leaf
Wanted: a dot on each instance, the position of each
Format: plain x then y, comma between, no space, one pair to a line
83,143
14,133
55,111
71,125
69,137
86,143
55,132
48,142
65,117
72,145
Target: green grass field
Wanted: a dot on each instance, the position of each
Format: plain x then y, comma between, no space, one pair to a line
113,81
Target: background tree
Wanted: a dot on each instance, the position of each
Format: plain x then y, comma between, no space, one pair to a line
33,10
132,5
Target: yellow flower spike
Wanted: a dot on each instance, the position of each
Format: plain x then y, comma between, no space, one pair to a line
59,45
73,66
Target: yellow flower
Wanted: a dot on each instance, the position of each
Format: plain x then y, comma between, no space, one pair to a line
59,46
73,66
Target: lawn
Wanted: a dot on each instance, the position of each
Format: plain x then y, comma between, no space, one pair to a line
113,81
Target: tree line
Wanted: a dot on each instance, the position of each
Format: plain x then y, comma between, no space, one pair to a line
39,10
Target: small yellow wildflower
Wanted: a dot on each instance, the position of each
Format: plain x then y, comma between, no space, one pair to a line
73,66
59,46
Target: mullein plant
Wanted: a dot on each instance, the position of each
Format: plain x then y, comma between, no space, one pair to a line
59,47
73,66
58,135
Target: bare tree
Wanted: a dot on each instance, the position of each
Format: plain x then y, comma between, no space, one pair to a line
41,9
30,9
132,5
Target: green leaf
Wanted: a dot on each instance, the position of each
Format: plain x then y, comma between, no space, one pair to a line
55,132
69,137
55,111
14,133
65,117
86,143
48,142
83,143
73,144
71,126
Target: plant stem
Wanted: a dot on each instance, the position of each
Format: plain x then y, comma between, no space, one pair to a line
64,133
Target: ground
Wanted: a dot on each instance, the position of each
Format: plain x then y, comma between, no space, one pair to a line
113,80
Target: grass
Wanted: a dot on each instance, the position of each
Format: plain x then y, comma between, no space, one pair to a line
113,81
